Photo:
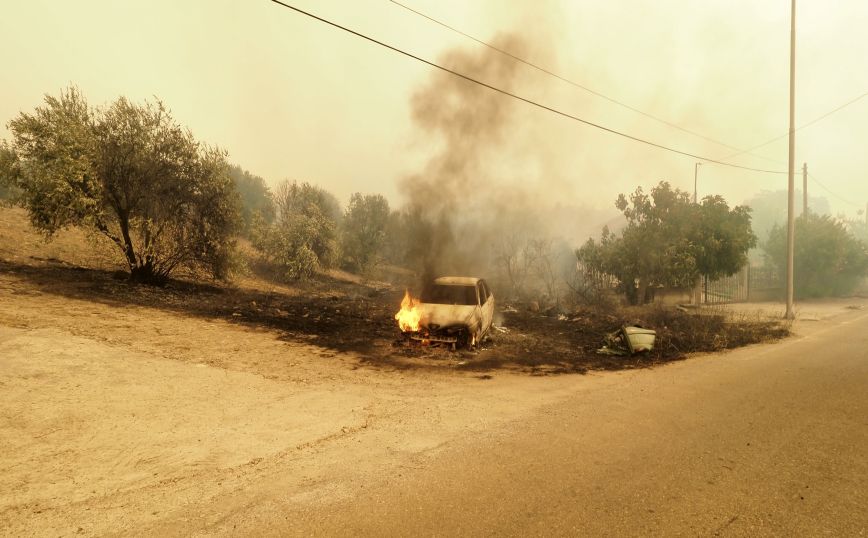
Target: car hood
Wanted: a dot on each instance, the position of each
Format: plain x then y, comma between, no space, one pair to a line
447,315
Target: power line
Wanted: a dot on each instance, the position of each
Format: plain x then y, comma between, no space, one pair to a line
569,116
621,103
808,124
812,122
825,188
564,79
520,98
828,190
642,112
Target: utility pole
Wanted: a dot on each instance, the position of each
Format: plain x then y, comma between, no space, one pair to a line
805,190
697,286
791,224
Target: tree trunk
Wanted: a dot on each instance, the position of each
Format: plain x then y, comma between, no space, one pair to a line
146,274
643,291
129,251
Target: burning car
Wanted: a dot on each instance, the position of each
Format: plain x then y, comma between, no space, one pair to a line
452,310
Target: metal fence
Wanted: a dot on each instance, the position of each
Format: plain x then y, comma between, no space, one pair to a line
731,289
749,284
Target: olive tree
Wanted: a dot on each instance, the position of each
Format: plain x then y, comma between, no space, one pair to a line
363,230
256,200
9,171
129,172
302,240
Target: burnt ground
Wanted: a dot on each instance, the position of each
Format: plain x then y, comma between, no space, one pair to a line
344,316
341,313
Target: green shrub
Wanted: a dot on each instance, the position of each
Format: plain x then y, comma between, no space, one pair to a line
302,240
828,261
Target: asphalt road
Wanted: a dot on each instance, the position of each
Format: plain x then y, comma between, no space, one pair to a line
770,440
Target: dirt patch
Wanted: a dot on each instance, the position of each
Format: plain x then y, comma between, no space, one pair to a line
99,403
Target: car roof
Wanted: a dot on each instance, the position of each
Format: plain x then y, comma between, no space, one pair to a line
457,280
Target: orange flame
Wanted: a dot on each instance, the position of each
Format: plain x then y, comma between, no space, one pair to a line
410,314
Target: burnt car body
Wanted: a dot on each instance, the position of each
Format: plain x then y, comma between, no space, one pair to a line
456,311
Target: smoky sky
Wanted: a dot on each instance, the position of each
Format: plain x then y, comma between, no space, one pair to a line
291,98
473,189
458,190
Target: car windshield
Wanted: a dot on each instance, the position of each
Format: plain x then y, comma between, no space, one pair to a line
445,294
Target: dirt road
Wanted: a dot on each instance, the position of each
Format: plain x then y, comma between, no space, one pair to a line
768,441
130,411
118,421
128,419
248,408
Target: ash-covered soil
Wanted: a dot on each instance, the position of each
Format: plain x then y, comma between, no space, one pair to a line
345,316
341,313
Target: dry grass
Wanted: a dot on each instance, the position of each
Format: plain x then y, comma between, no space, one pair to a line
707,330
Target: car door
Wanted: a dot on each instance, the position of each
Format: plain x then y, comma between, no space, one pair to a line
487,307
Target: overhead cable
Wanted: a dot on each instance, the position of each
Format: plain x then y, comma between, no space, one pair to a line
621,103
825,188
562,78
799,128
520,98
